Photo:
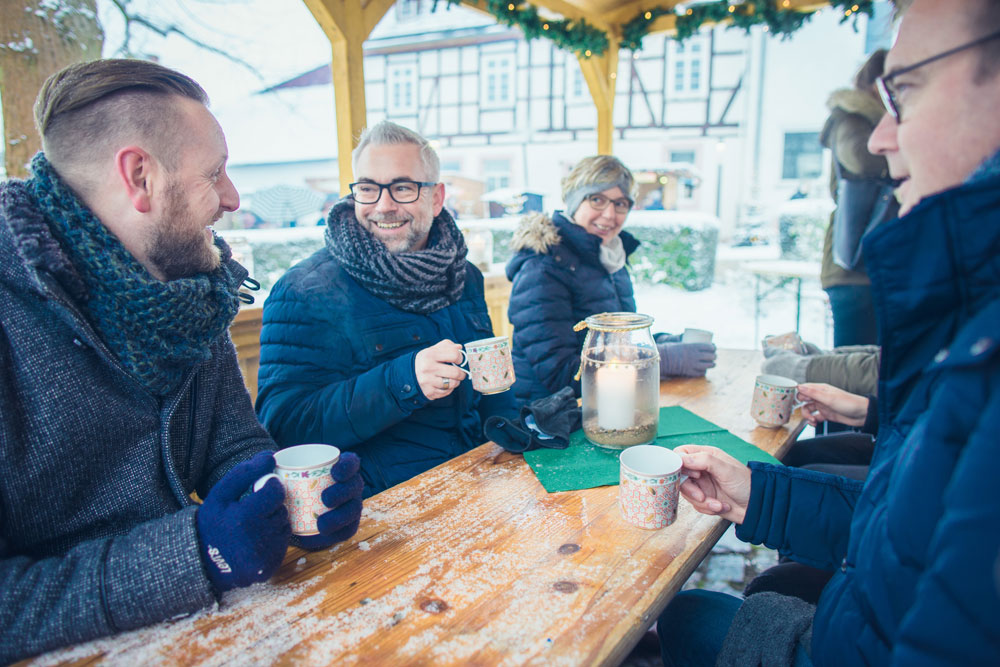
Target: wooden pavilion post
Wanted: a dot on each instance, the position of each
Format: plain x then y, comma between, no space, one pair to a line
347,24
600,73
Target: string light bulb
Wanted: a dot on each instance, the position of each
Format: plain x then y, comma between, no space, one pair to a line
510,7
648,15
545,26
587,53
732,9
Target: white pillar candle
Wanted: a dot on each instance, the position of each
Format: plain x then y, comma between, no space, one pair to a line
615,396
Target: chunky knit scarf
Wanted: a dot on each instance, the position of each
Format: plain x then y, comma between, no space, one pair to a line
157,330
418,282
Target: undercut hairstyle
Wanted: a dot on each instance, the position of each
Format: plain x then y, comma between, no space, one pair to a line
88,110
387,133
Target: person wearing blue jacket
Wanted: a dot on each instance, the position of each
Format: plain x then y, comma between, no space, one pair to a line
915,549
360,341
571,266
120,392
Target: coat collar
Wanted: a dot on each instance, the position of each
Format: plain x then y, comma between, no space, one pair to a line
932,271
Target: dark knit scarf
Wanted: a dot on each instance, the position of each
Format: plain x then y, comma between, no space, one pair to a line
158,330
418,282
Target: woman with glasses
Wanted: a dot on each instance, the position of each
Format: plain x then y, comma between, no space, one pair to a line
572,265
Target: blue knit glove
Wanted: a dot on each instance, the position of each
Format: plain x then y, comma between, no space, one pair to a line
243,536
686,359
344,501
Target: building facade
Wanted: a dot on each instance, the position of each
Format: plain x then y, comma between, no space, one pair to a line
723,123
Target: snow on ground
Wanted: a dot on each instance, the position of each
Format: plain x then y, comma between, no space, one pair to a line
727,307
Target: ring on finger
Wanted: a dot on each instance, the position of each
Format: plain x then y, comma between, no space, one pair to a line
445,382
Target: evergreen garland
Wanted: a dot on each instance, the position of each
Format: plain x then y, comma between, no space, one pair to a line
579,37
586,40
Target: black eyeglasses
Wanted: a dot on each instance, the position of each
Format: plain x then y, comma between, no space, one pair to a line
600,202
884,83
402,192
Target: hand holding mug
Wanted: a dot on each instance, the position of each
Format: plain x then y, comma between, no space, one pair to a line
436,369
824,402
717,483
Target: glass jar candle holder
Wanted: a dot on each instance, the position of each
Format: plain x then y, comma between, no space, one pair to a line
620,380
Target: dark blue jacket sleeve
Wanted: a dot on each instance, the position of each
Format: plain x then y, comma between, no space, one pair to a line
802,512
541,310
309,391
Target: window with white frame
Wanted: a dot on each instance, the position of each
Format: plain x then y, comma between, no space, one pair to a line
577,88
407,9
688,66
496,174
498,80
401,85
802,157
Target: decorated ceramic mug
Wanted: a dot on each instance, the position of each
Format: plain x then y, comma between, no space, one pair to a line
649,485
491,368
304,471
773,400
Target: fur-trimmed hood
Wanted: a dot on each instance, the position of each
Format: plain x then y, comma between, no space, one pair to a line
850,101
855,101
536,232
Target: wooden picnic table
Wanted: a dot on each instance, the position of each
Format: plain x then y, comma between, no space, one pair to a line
471,562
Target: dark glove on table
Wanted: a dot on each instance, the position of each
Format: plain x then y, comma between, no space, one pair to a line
556,416
243,536
686,359
344,501
667,338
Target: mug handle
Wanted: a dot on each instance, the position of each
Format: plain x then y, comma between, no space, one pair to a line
465,360
259,484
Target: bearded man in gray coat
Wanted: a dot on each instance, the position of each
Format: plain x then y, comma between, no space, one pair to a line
120,394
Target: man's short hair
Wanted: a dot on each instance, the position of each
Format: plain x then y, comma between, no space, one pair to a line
985,20
83,109
387,133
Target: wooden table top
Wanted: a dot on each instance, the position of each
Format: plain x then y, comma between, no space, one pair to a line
471,562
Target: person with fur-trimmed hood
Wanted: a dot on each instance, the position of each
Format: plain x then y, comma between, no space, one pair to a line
571,266
854,112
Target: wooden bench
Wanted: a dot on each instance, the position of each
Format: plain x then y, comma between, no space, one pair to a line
245,329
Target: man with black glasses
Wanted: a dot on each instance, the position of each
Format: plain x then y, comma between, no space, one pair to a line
915,549
360,340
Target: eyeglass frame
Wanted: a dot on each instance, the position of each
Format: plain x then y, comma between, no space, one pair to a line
882,83
388,186
614,202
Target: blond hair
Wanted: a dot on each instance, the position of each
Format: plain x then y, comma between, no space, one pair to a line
592,175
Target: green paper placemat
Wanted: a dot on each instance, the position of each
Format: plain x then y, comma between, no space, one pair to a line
675,420
583,465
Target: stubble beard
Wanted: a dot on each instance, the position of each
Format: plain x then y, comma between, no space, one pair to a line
413,240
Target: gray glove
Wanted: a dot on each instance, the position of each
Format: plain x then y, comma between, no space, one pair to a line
811,348
787,364
686,359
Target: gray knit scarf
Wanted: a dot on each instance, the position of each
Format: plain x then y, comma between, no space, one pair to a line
422,281
158,330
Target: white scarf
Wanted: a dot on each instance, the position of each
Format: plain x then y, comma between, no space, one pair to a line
612,255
